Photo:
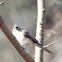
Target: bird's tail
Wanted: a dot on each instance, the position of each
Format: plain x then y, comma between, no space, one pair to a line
39,45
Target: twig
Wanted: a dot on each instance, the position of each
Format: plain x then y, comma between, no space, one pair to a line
49,44
14,42
2,2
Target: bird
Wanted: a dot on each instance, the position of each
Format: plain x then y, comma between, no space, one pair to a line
25,39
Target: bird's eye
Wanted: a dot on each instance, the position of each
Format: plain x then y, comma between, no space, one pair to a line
16,27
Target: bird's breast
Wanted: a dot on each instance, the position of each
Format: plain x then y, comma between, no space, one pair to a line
22,39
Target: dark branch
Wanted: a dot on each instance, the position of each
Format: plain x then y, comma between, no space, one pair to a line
14,42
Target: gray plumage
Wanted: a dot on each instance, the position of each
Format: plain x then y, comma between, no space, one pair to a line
27,36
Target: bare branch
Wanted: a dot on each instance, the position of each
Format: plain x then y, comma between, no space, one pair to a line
40,30
49,44
2,2
14,42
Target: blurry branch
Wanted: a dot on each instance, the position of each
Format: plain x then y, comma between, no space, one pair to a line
2,2
14,42
40,29
49,44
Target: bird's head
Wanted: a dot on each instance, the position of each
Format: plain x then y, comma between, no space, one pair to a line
16,27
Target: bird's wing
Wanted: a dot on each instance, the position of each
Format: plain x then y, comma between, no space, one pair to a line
35,41
29,36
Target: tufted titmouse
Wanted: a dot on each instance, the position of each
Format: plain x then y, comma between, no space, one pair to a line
25,39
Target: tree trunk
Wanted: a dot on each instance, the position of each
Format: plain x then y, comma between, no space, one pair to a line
40,30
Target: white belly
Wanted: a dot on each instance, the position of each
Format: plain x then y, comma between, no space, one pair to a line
20,37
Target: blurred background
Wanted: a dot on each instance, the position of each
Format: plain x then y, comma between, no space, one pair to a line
24,14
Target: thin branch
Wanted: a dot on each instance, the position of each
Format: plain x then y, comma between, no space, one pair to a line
49,44
2,2
14,42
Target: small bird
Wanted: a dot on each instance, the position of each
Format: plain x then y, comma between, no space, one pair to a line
25,39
